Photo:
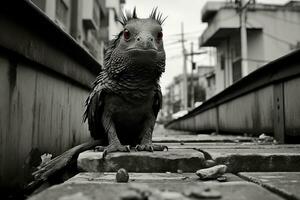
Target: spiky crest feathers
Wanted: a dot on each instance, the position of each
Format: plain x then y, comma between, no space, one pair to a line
155,15
125,18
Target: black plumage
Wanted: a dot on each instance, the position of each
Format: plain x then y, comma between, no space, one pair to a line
126,97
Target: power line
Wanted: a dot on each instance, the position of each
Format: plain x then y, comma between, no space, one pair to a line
197,31
187,33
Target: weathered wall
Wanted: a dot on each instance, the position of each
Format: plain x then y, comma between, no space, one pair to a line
38,110
266,101
272,31
45,78
292,106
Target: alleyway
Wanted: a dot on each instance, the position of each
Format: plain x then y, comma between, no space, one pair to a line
52,50
256,170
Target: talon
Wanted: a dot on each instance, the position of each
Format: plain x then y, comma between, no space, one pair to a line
138,148
99,148
104,154
128,148
151,149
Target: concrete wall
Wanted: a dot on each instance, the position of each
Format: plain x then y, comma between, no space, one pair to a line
250,112
40,110
292,106
45,78
265,101
280,30
114,9
227,48
271,33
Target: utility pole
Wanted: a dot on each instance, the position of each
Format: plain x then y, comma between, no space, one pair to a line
243,32
185,85
192,77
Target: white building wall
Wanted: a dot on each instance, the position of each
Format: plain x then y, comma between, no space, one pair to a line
115,9
276,34
281,29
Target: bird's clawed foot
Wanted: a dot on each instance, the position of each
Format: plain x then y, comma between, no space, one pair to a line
150,147
112,148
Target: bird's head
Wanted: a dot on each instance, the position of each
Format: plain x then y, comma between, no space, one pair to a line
140,43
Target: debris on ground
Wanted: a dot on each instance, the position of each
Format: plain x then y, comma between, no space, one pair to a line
211,172
222,178
46,157
263,138
209,163
122,176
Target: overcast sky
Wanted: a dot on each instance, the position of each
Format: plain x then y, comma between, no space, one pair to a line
177,11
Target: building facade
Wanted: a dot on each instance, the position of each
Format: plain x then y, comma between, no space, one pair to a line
173,98
92,23
272,31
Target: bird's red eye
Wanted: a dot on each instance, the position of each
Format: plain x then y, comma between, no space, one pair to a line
126,34
159,35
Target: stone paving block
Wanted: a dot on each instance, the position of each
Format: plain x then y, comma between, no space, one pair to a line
108,177
256,159
286,184
235,190
228,145
200,138
187,160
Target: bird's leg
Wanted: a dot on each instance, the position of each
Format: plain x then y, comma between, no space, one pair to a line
113,140
146,142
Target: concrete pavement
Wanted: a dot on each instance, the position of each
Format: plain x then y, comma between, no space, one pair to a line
255,171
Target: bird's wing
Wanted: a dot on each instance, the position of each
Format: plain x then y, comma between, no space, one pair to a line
157,101
94,110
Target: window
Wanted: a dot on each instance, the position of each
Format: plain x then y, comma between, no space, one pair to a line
96,13
211,80
236,70
61,11
236,62
222,61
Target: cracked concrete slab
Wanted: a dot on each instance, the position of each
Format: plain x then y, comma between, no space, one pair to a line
286,184
262,159
187,160
234,190
108,177
200,138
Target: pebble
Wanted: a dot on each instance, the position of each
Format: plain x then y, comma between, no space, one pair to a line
212,172
122,176
209,163
179,171
222,179
185,178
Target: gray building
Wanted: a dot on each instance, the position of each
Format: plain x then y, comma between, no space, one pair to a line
90,22
173,99
272,31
